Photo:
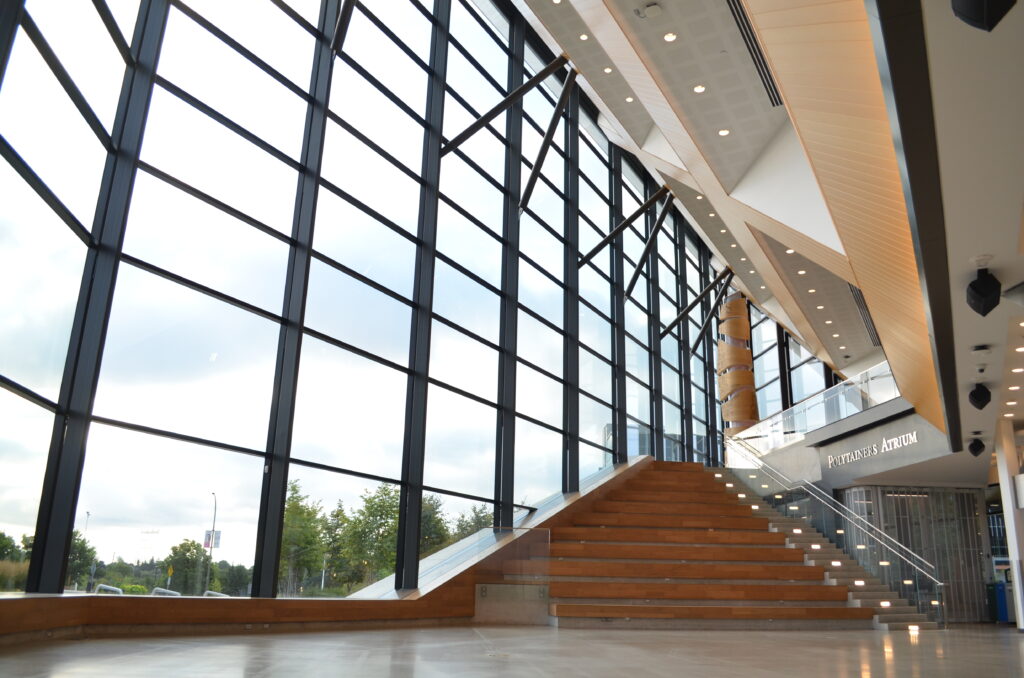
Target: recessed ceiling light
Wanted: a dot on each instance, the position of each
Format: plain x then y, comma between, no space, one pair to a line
607,69
1021,324
1008,414
722,231
700,197
723,132
1014,388
699,89
790,251
751,271
1019,349
732,245
584,36
811,291
1017,370
670,37
1011,403
801,272
711,214
629,100
828,322
842,348
820,308
835,336
743,258
762,287
557,2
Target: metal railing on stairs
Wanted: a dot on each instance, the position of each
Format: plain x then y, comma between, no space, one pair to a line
894,564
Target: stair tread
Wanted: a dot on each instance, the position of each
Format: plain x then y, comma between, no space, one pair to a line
707,612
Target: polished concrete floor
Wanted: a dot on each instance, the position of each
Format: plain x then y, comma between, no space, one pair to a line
456,652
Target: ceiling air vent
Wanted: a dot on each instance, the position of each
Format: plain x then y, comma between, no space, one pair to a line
858,298
756,55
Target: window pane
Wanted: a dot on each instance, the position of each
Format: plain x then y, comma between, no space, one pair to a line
362,105
766,367
445,520
467,30
346,309
541,246
540,294
73,29
29,87
595,331
25,431
538,463
179,360
539,344
200,63
670,383
769,400
762,336
378,54
471,191
253,22
340,534
638,401
459,443
593,461
636,322
638,440
463,362
466,303
596,422
807,380
407,22
370,178
173,230
486,148
638,361
538,396
40,273
349,411
164,513
352,237
468,244
596,289
595,376
199,151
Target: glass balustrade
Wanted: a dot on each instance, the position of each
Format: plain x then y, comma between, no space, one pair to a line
871,387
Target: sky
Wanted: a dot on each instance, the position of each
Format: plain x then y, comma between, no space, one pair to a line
183,361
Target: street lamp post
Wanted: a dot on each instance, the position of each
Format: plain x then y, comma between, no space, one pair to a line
213,539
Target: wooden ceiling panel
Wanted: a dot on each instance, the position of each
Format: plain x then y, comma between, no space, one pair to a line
822,57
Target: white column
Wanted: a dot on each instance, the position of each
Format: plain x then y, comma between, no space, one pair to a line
1008,466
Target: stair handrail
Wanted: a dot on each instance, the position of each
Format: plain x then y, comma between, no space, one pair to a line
843,511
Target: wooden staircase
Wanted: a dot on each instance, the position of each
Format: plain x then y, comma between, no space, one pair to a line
891,611
673,547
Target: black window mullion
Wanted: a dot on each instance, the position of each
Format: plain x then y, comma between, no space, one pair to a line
282,414
504,484
570,304
653,340
62,479
619,313
10,16
785,381
407,565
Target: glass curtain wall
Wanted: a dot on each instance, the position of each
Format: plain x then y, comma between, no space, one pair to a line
262,338
785,372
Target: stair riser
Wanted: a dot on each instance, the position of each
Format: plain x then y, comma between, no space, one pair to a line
667,536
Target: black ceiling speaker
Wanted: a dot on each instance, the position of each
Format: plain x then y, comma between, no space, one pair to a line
983,14
976,447
980,396
983,292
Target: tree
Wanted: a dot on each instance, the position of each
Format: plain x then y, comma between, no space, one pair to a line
189,560
342,570
81,558
478,517
371,535
434,532
302,551
9,548
234,579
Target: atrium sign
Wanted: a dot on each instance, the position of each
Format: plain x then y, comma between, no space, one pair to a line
887,445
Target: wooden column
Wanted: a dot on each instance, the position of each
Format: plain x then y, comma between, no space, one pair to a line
735,367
